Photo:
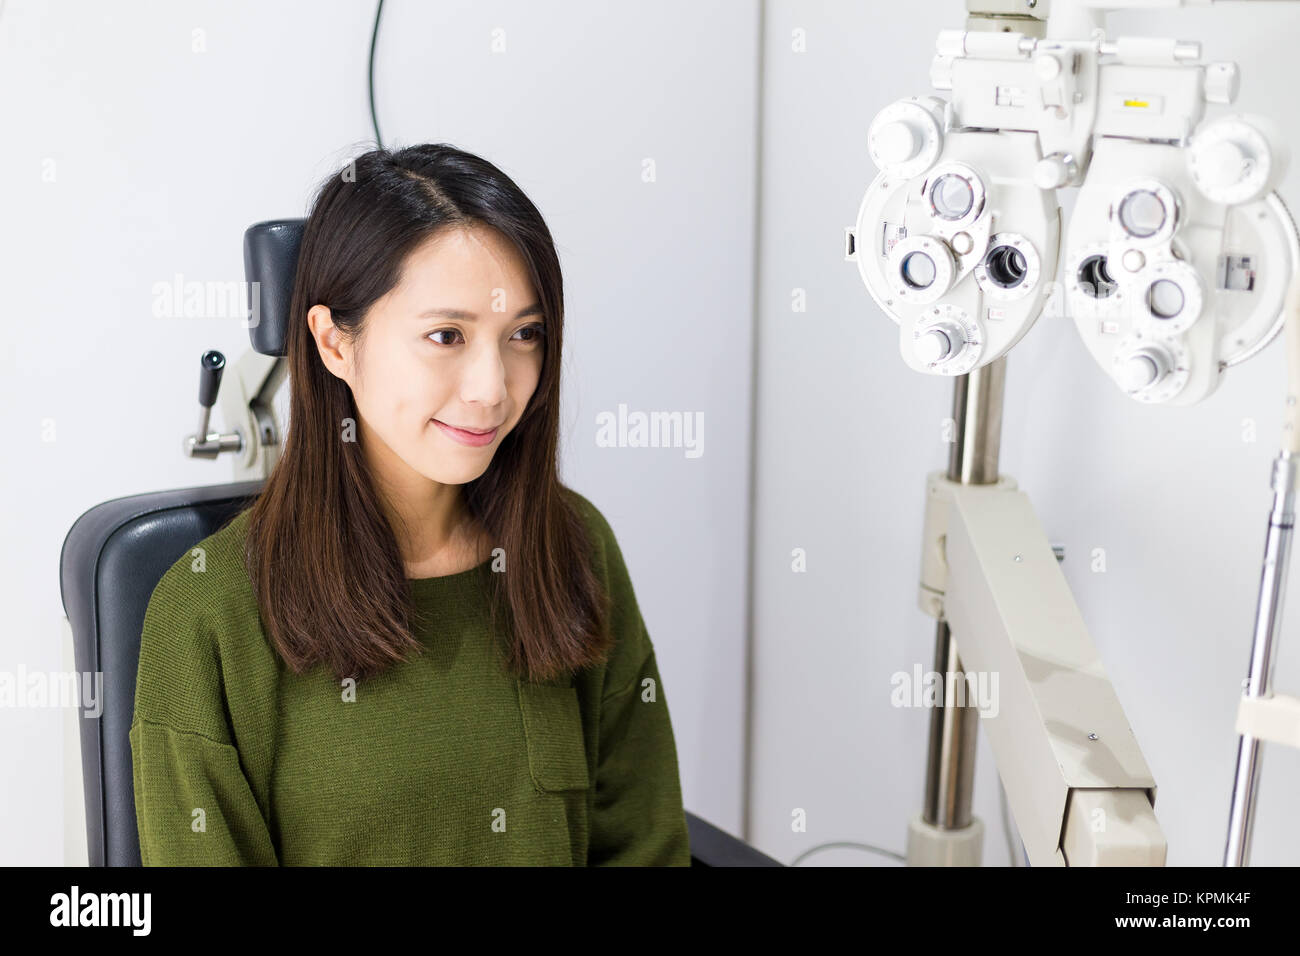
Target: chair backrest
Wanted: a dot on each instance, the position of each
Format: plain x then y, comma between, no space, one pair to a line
115,554
112,559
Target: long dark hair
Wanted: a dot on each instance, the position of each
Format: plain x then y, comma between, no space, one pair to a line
321,552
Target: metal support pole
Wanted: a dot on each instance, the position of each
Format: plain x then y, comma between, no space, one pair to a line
1268,624
973,460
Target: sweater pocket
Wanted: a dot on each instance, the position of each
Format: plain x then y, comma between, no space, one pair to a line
557,758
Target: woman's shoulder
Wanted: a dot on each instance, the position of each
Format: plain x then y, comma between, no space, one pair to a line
196,600
599,533
632,644
203,583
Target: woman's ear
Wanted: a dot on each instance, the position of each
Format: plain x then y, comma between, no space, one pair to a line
334,351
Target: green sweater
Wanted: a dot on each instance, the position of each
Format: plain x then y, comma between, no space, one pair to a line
443,760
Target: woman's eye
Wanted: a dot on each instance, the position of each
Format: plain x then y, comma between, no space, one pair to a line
537,331
443,332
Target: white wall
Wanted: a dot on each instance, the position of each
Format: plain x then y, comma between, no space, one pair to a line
163,156
847,434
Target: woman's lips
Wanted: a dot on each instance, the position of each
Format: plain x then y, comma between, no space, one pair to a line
464,437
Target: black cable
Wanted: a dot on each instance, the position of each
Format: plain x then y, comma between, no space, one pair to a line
856,846
374,120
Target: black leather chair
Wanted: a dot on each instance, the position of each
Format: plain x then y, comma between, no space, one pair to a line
115,554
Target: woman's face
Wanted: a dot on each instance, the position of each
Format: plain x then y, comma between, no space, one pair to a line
456,344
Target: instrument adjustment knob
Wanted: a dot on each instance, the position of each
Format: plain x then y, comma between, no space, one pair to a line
1143,368
939,342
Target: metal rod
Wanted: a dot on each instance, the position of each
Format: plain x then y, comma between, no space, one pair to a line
972,460
1259,683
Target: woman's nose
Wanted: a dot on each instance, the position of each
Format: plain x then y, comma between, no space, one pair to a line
484,380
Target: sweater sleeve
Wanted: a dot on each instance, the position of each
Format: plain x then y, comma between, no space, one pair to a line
193,802
637,817
193,805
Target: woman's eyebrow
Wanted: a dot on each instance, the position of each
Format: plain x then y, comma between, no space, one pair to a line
534,309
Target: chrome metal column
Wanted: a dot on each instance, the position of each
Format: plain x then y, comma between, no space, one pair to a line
973,460
1268,624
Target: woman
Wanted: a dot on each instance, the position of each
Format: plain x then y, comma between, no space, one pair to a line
417,646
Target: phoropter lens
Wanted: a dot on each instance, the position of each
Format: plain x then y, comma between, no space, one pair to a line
1094,278
952,196
1141,213
1165,299
1005,266
918,270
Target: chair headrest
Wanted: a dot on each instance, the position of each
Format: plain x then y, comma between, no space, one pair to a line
270,262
